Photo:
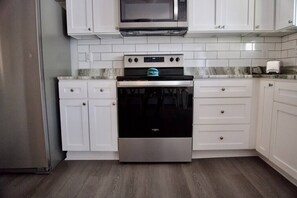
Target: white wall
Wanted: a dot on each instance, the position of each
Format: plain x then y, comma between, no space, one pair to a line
199,52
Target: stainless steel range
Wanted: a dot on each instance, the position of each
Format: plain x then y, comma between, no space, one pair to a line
155,109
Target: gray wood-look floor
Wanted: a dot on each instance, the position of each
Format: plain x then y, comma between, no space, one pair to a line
230,177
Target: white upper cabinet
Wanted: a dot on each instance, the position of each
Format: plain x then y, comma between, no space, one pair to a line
221,15
106,15
285,14
79,16
236,14
202,15
264,15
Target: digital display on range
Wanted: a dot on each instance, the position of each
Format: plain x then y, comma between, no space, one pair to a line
154,59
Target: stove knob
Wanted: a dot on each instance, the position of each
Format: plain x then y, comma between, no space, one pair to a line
177,59
171,59
130,60
136,60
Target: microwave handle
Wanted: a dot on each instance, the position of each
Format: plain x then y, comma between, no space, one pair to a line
175,10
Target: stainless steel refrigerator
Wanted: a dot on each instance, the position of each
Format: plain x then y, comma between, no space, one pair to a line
34,50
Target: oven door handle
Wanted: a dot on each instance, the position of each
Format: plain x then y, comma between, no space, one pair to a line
155,84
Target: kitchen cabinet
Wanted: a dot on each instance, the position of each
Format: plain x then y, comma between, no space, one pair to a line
264,15
221,15
88,115
74,125
92,17
285,15
265,117
284,136
222,114
79,16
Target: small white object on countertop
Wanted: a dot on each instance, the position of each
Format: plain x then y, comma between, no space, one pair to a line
273,67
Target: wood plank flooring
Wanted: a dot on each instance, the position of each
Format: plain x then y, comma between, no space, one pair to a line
228,177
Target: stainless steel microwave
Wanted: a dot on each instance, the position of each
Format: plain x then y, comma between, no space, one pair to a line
153,14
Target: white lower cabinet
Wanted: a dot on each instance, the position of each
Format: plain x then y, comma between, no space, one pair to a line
284,138
264,117
89,120
103,125
74,125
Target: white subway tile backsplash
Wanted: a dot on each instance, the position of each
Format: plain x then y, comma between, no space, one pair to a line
147,47
254,54
292,53
284,54
252,39
217,63
292,37
82,57
112,56
240,62
179,39
158,39
278,46
101,64
111,41
217,47
273,39
170,47
123,48
205,55
101,48
96,56
187,55
229,39
206,40
193,47
117,64
228,55
259,62
289,45
194,63
289,61
274,54
135,40
88,41
83,48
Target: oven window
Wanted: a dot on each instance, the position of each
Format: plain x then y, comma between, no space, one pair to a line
147,10
155,112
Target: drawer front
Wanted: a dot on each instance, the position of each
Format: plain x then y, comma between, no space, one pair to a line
222,111
73,89
218,137
102,89
286,92
222,88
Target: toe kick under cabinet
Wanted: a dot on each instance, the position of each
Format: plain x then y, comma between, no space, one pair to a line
88,111
222,111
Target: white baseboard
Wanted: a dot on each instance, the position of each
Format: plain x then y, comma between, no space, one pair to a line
88,155
223,153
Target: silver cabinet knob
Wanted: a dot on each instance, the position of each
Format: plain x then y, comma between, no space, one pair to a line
218,27
101,90
113,103
290,21
270,85
223,27
223,89
84,104
71,90
221,138
222,112
257,26
89,29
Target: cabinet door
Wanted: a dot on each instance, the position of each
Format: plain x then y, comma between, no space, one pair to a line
202,15
74,125
236,14
264,14
264,117
284,14
284,137
105,16
79,16
103,125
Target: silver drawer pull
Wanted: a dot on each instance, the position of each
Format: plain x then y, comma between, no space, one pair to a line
71,90
221,138
270,85
113,103
101,90
84,104
223,89
222,112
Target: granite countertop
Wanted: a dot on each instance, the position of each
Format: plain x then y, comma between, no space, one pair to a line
84,78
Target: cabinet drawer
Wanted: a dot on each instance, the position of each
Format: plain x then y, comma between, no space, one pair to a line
222,88
103,89
218,137
286,92
73,89
222,111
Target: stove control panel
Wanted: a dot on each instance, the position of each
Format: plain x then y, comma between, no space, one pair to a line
153,60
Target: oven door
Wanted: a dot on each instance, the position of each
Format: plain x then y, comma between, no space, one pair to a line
153,13
155,109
